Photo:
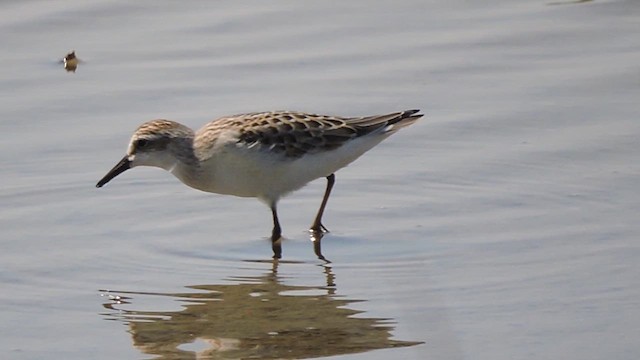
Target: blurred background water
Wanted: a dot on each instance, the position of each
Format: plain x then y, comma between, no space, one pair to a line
501,226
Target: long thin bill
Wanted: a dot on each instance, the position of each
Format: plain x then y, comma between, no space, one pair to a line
120,167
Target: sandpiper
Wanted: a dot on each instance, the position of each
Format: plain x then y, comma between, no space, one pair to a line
265,155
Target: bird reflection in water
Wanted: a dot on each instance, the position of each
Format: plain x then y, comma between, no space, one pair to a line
255,317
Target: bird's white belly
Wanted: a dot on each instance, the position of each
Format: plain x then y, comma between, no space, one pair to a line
264,177
251,173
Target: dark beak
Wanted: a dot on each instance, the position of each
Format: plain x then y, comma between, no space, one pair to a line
120,167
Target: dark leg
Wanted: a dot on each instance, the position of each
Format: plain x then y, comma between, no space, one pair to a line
276,234
317,223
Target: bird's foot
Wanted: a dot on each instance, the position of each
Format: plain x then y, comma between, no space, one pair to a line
276,245
316,238
318,228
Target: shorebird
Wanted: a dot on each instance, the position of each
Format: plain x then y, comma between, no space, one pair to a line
265,155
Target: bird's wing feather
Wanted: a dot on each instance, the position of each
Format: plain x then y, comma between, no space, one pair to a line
294,134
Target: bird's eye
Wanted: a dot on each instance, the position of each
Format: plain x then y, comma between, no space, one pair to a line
142,143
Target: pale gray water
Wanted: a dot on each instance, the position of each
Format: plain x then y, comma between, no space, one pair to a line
502,226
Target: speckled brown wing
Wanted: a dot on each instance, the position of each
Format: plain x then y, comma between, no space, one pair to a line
295,134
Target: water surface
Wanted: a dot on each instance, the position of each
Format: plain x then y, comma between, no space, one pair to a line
501,226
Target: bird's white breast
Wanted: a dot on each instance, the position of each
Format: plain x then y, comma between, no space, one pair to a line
252,171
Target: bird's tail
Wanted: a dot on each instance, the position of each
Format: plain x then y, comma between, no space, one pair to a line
387,123
404,119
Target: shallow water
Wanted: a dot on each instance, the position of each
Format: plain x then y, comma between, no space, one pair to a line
502,226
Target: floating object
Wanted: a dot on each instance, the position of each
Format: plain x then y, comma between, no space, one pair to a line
71,62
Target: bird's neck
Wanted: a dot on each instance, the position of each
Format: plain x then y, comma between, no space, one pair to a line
188,174
184,165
